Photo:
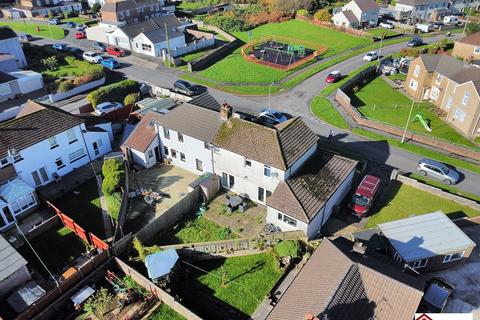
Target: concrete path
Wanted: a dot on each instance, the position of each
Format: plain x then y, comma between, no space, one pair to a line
265,308
107,219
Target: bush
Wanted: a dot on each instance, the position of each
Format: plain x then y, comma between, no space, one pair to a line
113,92
112,167
323,15
66,85
130,99
288,248
110,184
70,60
302,13
95,8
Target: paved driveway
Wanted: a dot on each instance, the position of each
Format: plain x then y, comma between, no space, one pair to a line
466,280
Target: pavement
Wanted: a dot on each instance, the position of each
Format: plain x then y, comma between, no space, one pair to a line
295,102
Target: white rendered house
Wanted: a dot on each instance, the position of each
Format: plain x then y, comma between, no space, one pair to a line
357,13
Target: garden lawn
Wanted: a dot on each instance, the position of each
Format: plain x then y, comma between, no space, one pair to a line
377,32
397,76
401,201
77,20
84,208
234,68
57,247
193,5
192,56
323,110
164,312
379,101
445,187
79,68
248,279
192,230
30,28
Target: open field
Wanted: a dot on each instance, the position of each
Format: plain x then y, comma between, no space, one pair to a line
379,101
54,32
394,198
234,68
247,279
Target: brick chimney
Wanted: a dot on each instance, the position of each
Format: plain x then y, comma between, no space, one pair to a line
225,111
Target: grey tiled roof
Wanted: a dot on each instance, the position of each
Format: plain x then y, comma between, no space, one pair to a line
10,260
366,5
344,285
7,33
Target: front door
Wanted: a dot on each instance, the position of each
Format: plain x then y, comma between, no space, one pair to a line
6,217
158,157
231,181
95,148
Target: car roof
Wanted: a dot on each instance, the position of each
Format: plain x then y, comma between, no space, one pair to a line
182,82
432,162
436,295
335,72
104,104
368,185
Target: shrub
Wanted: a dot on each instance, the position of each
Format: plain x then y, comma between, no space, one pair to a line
302,13
113,92
287,248
66,14
99,303
110,184
66,85
112,167
51,14
130,99
50,62
323,15
95,8
472,28
71,60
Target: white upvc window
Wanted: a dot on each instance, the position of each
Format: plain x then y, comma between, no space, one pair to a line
453,257
439,78
74,156
476,50
418,263
290,221
465,99
459,115
435,93
413,84
53,142
247,162
166,133
267,171
71,136
448,105
416,71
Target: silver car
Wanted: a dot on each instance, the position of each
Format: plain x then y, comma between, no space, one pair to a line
437,170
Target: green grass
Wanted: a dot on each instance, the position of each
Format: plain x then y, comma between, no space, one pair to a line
413,148
193,5
57,247
31,28
401,201
397,76
445,187
323,110
79,68
379,101
113,202
248,279
377,32
192,56
234,68
84,208
77,20
164,312
192,230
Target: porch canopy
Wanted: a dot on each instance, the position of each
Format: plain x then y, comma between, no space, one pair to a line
15,189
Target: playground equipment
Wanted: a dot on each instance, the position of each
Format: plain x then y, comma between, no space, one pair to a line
422,121
300,50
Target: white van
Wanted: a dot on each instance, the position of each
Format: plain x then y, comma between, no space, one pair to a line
450,20
424,27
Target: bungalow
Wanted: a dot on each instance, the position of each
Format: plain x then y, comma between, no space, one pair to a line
13,269
426,243
338,283
357,14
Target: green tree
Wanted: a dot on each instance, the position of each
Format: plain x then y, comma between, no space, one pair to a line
99,303
130,99
95,8
138,246
51,14
66,14
472,28
323,15
50,62
288,248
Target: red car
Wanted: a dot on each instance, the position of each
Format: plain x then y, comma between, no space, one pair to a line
113,51
364,195
334,76
80,35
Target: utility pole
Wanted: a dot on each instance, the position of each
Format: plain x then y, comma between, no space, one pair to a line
270,95
380,51
465,26
408,121
168,43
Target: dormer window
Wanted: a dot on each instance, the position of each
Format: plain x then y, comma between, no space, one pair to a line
4,162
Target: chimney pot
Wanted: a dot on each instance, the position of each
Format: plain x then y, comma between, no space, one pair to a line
225,111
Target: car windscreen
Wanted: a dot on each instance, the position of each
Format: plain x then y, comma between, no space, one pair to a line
360,200
436,295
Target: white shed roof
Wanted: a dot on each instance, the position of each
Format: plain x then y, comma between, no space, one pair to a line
10,259
425,236
14,189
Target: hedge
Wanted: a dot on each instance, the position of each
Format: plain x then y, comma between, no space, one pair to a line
112,171
112,167
114,92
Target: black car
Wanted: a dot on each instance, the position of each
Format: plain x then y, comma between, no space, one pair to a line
98,46
184,87
76,52
415,42
437,292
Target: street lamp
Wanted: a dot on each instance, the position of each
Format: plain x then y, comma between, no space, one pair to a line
270,94
380,50
408,121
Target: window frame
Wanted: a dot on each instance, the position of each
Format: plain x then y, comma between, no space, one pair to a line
174,153
415,86
180,137
417,264
183,158
53,142
165,150
290,221
247,163
267,169
71,134
166,133
197,166
59,160
416,71
451,255
466,98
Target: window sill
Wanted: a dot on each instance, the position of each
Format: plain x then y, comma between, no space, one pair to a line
78,158
56,146
18,160
61,167
73,141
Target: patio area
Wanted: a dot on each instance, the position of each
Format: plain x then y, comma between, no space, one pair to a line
169,181
247,224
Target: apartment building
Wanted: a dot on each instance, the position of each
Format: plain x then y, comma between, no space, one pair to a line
451,85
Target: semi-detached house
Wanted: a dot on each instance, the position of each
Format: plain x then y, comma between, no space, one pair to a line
39,146
251,159
357,14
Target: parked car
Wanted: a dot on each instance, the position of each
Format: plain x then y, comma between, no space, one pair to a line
389,67
54,21
437,170
184,87
437,25
80,27
106,107
110,63
71,24
92,57
80,35
271,116
76,52
114,51
25,38
452,20
386,25
334,76
437,292
364,195
415,42
60,46
370,56
98,46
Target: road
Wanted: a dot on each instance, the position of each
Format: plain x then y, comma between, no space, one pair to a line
294,102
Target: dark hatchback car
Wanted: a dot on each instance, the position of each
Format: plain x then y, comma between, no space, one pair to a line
415,42
98,46
184,87
437,293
